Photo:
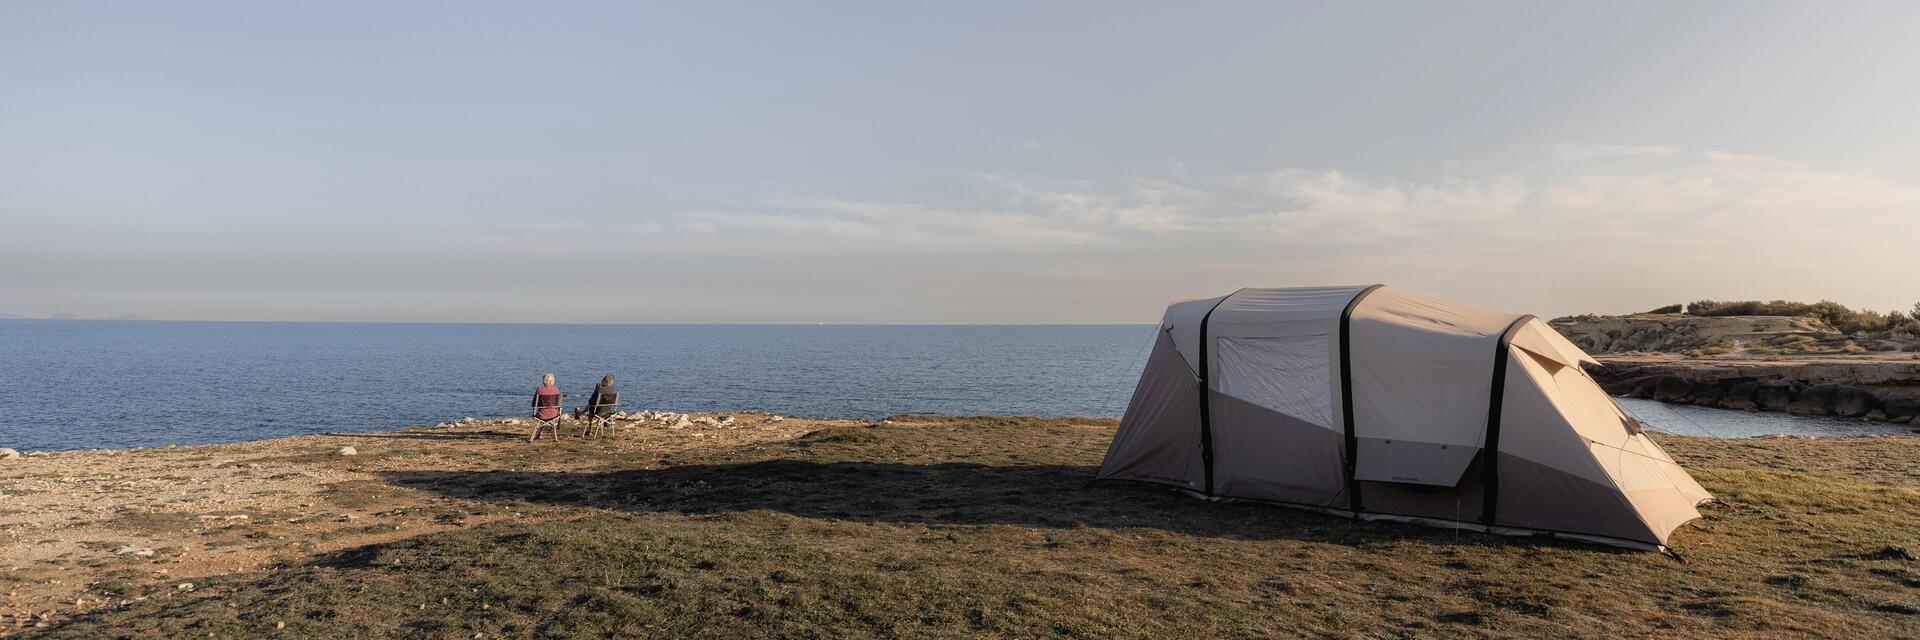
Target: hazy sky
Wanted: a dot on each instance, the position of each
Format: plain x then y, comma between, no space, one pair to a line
946,162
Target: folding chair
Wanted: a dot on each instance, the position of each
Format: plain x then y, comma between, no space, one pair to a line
547,401
600,415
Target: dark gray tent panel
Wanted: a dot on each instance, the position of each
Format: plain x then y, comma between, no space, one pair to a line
1168,395
1388,405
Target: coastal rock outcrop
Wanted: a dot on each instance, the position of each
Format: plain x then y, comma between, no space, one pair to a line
1680,333
1842,389
9,454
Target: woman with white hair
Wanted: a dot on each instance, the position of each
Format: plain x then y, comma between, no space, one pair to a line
546,407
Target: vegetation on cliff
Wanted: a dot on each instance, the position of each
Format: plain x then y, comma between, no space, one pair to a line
1833,314
1775,328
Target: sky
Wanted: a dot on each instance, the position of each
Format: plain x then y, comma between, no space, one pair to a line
976,162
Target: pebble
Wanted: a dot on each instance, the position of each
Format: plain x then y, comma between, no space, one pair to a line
134,551
350,451
184,586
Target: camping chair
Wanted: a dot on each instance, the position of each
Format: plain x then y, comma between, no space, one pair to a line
600,415
547,402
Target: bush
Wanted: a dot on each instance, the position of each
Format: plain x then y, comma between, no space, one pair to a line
1672,308
1758,308
1867,321
1834,314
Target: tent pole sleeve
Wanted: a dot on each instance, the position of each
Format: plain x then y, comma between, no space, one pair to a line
1206,409
1490,454
1346,398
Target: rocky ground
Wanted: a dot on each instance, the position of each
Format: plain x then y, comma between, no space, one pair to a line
85,530
913,527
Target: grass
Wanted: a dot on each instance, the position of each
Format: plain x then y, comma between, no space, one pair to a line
949,527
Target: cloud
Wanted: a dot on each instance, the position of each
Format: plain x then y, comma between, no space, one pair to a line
1592,151
1690,200
1559,233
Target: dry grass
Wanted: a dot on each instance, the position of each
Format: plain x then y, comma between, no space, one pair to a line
944,527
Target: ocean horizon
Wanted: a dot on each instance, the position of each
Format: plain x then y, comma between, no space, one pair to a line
134,383
141,383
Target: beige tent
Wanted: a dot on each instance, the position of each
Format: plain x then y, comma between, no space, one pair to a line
1387,405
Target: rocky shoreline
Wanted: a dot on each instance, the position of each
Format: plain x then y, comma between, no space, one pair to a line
1870,389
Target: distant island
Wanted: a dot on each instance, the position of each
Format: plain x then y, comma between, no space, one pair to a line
1819,358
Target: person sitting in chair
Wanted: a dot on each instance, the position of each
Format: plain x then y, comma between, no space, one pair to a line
603,402
546,406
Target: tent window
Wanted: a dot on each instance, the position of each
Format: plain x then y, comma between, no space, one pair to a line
1291,375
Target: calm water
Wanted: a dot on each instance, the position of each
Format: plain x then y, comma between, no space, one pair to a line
77,385
87,384
1703,421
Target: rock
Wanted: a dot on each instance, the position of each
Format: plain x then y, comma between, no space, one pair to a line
1740,396
184,586
1708,394
1672,389
9,454
1853,402
346,451
1876,415
1642,387
619,415
1814,400
133,551
774,419
1776,394
1900,407
1619,386
723,421
681,423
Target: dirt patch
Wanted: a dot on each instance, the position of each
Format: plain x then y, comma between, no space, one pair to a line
85,530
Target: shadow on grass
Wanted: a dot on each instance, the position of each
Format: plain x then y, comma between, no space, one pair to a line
1050,496
432,436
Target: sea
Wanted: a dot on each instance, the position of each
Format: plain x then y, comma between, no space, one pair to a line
83,384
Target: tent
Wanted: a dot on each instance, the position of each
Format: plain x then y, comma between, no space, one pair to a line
1382,404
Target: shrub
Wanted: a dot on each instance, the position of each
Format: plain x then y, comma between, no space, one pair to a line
1672,308
1834,314
1864,321
1758,308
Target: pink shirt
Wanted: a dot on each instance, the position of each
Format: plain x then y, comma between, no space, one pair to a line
546,412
